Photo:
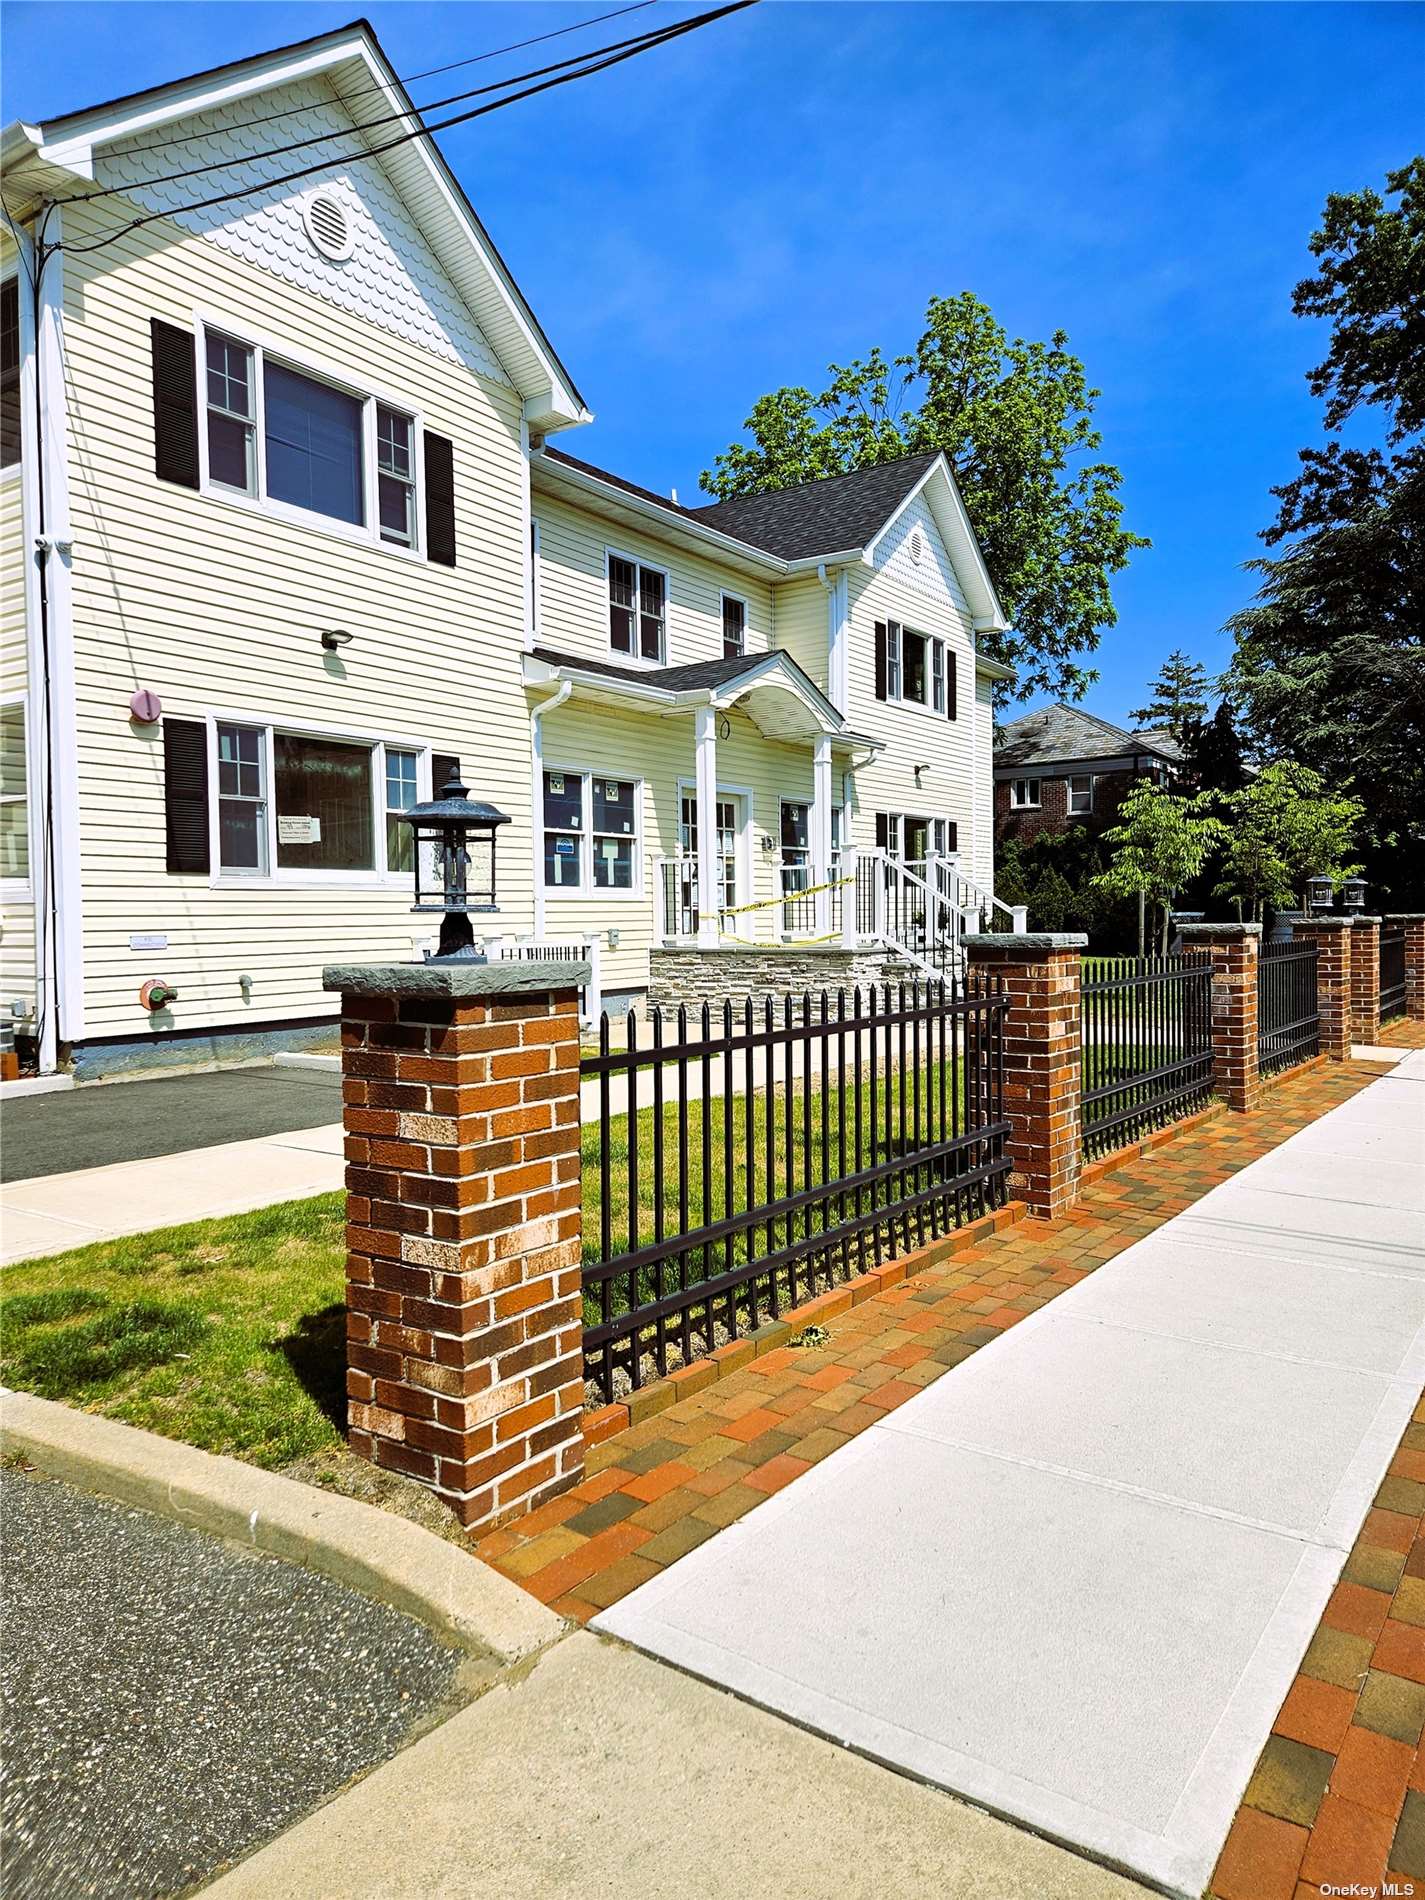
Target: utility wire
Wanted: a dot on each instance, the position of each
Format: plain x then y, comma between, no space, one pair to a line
408,79
652,38
427,131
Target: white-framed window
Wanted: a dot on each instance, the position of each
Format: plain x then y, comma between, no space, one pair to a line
1080,796
638,608
915,667
285,436
14,797
1024,794
591,833
734,626
295,805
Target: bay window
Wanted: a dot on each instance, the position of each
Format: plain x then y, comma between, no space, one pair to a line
296,441
638,608
591,832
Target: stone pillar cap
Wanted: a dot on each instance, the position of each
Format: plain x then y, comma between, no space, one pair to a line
1025,940
457,979
1405,917
1364,920
1230,933
1328,921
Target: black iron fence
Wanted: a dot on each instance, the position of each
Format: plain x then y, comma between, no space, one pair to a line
742,1162
1288,1015
1392,970
1147,1045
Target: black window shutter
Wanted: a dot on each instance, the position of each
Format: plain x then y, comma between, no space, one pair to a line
950,683
952,836
444,766
440,499
883,821
175,405
880,659
185,793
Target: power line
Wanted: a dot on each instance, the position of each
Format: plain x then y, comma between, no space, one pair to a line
427,131
408,79
652,38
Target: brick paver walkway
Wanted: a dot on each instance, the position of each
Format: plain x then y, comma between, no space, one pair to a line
659,1489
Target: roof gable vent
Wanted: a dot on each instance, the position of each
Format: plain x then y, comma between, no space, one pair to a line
917,546
328,225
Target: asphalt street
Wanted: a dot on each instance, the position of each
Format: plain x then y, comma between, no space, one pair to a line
171,1702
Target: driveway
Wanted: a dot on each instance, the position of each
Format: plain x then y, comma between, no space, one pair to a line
171,1702
1073,1581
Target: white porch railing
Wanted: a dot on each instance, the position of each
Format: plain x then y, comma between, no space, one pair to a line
558,950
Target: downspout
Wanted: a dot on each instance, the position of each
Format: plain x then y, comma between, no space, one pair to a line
537,793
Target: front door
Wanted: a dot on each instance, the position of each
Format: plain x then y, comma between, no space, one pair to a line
729,835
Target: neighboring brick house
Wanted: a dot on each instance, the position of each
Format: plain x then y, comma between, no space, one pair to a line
1061,767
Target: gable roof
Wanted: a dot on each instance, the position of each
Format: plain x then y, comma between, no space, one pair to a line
1060,735
57,157
830,516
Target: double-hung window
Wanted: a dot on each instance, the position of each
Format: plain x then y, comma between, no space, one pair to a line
734,626
638,608
915,667
300,802
1080,796
301,442
590,832
1024,794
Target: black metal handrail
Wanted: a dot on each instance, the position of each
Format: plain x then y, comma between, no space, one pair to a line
1146,1045
757,1157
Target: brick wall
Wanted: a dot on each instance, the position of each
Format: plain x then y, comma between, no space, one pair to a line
1110,790
1414,924
464,1309
1235,950
1332,937
1365,979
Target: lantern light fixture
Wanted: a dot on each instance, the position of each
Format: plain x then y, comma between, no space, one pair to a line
1353,893
1320,893
454,838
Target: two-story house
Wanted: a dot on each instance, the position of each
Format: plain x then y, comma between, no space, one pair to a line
290,534
1061,767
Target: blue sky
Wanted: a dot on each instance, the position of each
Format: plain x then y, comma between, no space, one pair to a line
789,187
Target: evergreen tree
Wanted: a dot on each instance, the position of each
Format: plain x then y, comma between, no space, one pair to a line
1178,697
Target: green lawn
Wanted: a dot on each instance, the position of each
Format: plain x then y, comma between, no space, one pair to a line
229,1334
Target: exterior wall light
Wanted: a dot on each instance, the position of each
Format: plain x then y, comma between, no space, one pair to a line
1353,893
1320,893
455,864
335,637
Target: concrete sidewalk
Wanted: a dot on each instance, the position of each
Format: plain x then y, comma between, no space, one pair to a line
1073,1581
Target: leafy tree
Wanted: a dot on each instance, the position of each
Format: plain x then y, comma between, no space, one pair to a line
1329,666
1052,903
1212,753
1015,422
1286,827
1178,697
1160,844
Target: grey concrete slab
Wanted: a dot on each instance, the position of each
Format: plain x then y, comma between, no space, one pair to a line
1384,1185
1340,1314
1175,1418
1096,1664
1397,1139
1311,1227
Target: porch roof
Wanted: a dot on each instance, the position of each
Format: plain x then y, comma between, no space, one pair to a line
784,701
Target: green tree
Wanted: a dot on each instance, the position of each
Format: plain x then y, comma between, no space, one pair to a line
1329,667
1178,697
1159,844
1014,420
1212,753
1286,826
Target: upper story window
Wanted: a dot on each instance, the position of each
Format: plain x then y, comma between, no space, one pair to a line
915,667
734,626
1080,797
638,608
1024,794
280,435
9,372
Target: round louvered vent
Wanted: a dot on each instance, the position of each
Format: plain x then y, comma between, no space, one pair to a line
329,225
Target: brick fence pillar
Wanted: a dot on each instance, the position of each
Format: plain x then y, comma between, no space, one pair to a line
1365,979
1414,924
1332,937
460,1091
1235,950
1041,976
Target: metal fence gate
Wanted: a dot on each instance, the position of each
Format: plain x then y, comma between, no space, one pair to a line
1147,1045
1288,1015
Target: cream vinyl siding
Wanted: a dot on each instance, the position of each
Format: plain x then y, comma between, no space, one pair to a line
984,858
914,735
219,608
17,913
800,625
574,599
601,740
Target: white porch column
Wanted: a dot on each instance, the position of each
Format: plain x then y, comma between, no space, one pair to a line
705,723
821,831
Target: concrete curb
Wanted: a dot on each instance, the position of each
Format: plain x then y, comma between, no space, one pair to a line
369,1550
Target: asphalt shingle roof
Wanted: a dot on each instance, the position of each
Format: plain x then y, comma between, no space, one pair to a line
668,679
1058,734
842,511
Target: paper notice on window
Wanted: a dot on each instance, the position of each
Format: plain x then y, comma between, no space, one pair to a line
611,847
296,830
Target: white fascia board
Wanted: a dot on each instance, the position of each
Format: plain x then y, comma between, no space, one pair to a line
946,505
793,679
844,557
558,475
539,672
994,669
